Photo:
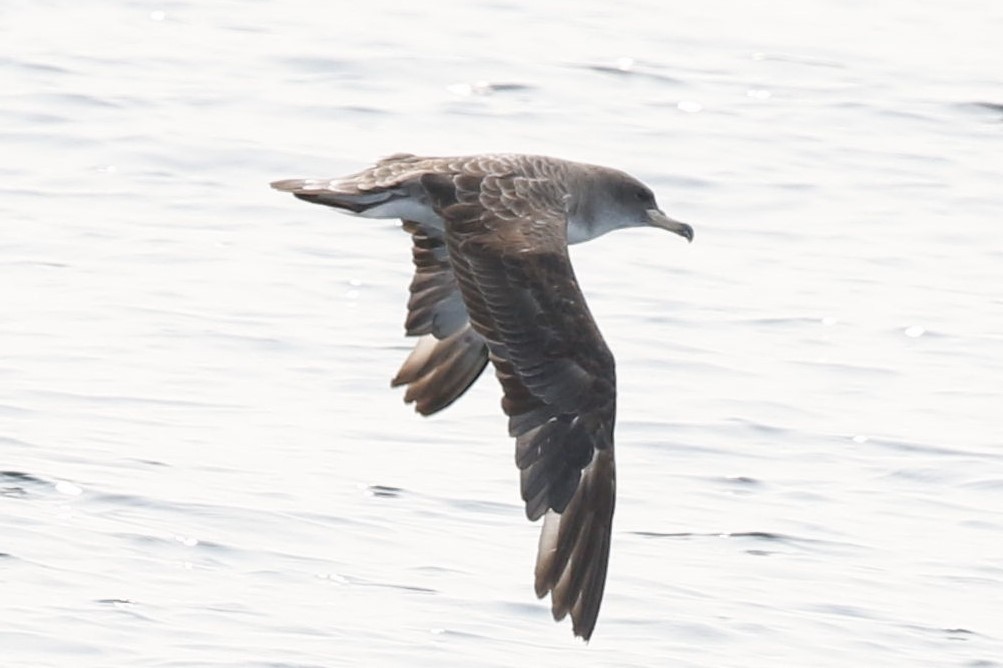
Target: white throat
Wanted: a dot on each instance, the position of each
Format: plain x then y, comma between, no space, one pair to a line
580,230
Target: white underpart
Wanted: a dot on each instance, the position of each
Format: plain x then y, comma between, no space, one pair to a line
406,208
579,231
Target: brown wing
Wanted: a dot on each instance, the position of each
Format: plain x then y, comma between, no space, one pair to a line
557,374
450,355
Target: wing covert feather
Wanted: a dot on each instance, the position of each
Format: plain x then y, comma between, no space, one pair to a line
558,378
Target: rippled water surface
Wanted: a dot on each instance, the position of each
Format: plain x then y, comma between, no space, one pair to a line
201,463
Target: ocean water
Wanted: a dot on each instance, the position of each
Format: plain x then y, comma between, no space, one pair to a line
201,463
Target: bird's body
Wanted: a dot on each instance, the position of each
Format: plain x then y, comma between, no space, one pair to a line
493,282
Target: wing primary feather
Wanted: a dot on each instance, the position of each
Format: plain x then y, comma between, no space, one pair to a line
558,379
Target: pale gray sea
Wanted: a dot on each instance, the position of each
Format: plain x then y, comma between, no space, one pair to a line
202,464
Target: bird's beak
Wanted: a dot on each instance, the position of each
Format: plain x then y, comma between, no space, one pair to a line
659,219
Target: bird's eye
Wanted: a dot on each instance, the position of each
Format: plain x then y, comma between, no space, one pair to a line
641,195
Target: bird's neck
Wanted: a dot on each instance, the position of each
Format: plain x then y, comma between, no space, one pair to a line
579,230
586,228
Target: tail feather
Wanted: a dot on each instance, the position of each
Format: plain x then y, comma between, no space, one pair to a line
340,195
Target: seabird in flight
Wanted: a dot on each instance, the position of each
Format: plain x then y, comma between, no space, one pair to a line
493,282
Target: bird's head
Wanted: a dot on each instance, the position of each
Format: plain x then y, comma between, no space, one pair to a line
615,200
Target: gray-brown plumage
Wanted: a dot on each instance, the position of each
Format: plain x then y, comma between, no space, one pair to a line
450,355
493,282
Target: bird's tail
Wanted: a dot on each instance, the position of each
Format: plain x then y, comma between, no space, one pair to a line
339,194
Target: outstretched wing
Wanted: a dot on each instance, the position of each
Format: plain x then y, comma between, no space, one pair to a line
450,355
557,374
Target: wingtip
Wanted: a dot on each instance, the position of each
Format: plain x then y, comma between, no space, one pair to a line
585,634
439,371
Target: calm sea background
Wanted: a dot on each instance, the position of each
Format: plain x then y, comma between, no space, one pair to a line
201,463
